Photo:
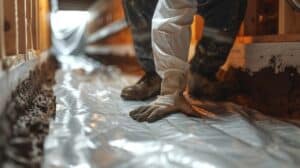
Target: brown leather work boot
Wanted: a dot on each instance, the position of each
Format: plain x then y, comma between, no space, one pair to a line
147,87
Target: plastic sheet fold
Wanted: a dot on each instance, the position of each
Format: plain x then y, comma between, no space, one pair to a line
68,31
92,129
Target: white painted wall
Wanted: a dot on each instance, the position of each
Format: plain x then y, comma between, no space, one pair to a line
257,56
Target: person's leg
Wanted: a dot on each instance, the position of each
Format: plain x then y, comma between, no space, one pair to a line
170,34
139,14
222,22
170,41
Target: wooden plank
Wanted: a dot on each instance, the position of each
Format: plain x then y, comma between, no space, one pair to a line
29,24
11,27
289,20
251,20
22,35
2,46
268,38
79,5
35,24
197,29
44,26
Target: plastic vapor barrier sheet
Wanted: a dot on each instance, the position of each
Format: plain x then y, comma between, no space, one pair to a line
92,129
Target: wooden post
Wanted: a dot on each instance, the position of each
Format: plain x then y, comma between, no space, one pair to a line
2,45
29,24
289,20
35,25
250,22
11,27
197,29
44,26
22,35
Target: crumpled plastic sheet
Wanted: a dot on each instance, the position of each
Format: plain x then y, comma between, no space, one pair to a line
68,31
92,129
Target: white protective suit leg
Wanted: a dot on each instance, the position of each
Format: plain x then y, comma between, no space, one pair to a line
170,41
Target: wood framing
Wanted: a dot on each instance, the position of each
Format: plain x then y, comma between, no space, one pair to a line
2,46
250,21
35,25
289,19
10,27
197,26
269,38
29,16
79,5
22,35
24,29
44,27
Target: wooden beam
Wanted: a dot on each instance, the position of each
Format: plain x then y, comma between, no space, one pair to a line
251,20
44,25
29,24
268,38
2,45
22,33
35,25
197,29
75,5
11,27
289,20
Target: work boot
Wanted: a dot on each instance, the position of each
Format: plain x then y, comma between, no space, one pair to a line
147,87
171,100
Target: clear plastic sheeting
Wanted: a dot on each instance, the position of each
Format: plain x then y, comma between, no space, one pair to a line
68,31
92,129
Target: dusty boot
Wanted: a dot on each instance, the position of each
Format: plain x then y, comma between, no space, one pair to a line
170,101
148,86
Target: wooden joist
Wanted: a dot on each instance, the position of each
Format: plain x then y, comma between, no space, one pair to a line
250,21
269,38
10,27
35,25
2,46
22,35
79,5
24,30
289,19
44,27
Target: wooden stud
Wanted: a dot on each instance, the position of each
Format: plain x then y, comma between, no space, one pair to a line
11,27
269,38
251,20
35,24
197,29
22,33
289,20
44,26
29,24
2,42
